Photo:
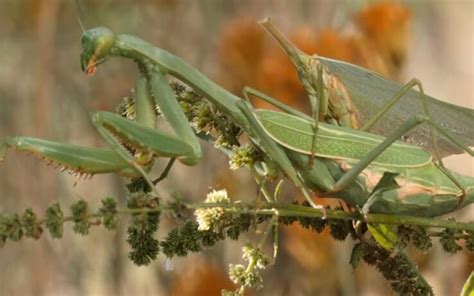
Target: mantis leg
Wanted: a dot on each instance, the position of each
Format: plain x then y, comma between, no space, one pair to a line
85,160
72,158
171,110
249,91
134,143
127,137
275,152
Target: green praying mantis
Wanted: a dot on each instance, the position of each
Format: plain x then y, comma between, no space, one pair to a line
336,161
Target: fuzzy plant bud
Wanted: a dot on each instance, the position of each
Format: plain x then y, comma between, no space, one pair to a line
208,218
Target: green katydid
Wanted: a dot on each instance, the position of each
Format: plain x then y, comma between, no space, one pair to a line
425,189
358,98
135,144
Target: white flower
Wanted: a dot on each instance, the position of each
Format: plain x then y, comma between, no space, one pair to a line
207,218
217,196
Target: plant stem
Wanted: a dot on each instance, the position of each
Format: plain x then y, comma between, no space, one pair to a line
291,210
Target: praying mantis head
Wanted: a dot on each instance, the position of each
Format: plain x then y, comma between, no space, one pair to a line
96,44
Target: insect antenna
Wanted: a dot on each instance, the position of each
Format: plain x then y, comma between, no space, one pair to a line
80,14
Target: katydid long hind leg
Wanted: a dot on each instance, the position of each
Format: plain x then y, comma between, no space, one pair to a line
403,91
423,100
349,176
247,91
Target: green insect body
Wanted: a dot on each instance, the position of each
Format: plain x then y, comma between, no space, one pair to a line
347,163
424,189
362,99
368,94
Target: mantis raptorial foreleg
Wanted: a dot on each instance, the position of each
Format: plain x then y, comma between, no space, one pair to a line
134,144
103,123
184,145
75,159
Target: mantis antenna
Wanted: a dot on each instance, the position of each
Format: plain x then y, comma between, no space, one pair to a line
80,14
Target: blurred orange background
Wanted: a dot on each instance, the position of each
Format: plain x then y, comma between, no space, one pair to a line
44,94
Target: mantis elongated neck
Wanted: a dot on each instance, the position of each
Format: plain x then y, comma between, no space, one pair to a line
143,52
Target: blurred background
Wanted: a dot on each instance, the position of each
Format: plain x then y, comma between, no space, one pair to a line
44,94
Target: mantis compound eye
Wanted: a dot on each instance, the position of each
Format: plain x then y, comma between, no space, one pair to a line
96,44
